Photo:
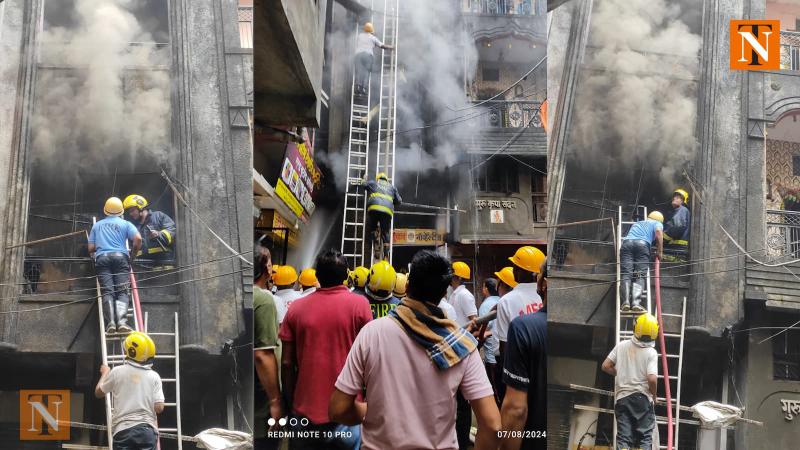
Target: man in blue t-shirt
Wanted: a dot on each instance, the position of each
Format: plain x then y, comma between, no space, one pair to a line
634,258
108,246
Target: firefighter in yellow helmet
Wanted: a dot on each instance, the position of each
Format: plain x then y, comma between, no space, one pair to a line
285,280
357,280
107,245
137,392
308,281
634,258
634,365
380,284
382,199
366,42
400,284
676,226
158,231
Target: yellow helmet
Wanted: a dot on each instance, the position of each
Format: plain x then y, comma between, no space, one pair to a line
139,347
368,27
358,277
284,275
134,200
528,258
113,207
382,176
382,277
646,327
400,284
461,270
308,277
656,215
506,275
683,194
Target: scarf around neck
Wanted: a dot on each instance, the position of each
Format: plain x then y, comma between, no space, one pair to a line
444,341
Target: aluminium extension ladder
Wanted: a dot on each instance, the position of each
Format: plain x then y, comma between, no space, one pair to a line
387,103
355,201
113,355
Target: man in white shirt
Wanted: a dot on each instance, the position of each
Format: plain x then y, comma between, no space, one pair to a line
461,299
523,299
634,365
463,302
448,309
285,278
137,393
365,44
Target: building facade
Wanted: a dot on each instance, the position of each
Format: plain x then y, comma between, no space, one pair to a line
153,99
738,166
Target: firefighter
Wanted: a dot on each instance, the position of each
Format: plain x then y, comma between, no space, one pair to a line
382,199
308,281
635,256
380,284
357,280
365,44
400,286
634,365
507,281
285,279
107,245
138,394
157,229
676,226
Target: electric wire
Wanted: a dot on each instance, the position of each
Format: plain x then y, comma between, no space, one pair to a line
93,298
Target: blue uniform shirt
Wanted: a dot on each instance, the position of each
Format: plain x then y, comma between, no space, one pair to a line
110,235
644,230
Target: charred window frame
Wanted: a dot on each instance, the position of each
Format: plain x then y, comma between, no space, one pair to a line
499,174
786,356
539,195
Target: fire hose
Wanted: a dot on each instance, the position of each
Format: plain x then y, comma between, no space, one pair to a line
663,352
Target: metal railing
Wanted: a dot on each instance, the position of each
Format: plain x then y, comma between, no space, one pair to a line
783,235
510,114
790,50
500,7
246,26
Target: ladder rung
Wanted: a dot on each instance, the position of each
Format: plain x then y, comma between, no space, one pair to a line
161,334
167,430
168,380
671,377
671,315
122,357
354,223
169,404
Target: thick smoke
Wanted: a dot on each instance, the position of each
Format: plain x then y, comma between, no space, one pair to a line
637,101
103,109
435,54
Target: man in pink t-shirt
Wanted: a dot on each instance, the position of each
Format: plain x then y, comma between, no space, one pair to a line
411,378
317,334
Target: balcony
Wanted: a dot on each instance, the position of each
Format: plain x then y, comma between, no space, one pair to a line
492,19
514,125
790,50
778,285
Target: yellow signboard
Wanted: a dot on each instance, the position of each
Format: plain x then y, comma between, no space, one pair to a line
286,195
417,236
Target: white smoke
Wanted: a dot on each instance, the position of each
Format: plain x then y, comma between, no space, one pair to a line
637,100
113,102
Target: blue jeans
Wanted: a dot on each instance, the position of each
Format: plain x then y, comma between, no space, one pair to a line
635,422
113,272
140,437
342,437
634,256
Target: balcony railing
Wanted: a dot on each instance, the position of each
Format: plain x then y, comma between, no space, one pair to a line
500,7
510,114
790,50
783,235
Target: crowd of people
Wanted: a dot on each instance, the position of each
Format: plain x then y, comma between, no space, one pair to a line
375,359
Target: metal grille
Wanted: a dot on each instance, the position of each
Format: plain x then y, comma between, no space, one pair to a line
500,7
246,26
783,235
790,50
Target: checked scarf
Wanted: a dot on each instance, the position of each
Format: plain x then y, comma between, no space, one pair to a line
445,342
